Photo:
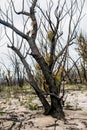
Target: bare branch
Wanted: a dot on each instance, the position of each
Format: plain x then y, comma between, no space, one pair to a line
21,12
13,28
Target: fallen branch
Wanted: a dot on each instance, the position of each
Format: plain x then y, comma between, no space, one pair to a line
10,119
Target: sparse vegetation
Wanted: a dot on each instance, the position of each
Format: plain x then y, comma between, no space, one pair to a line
32,106
27,105
68,106
1,111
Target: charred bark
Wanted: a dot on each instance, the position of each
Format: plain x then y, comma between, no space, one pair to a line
57,108
32,82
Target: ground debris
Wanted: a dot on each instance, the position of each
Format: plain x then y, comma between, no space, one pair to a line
13,116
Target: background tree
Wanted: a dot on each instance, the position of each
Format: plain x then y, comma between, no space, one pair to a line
38,46
17,70
6,75
82,50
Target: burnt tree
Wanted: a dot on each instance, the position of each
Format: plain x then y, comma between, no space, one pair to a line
56,50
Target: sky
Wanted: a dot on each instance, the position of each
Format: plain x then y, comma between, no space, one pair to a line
3,40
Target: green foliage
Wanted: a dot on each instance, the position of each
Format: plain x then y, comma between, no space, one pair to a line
1,111
22,103
82,48
37,67
40,79
50,35
30,98
58,75
33,106
68,106
47,58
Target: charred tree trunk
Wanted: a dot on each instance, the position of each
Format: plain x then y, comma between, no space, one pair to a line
32,82
56,108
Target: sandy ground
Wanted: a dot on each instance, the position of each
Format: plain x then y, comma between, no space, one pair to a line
14,116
